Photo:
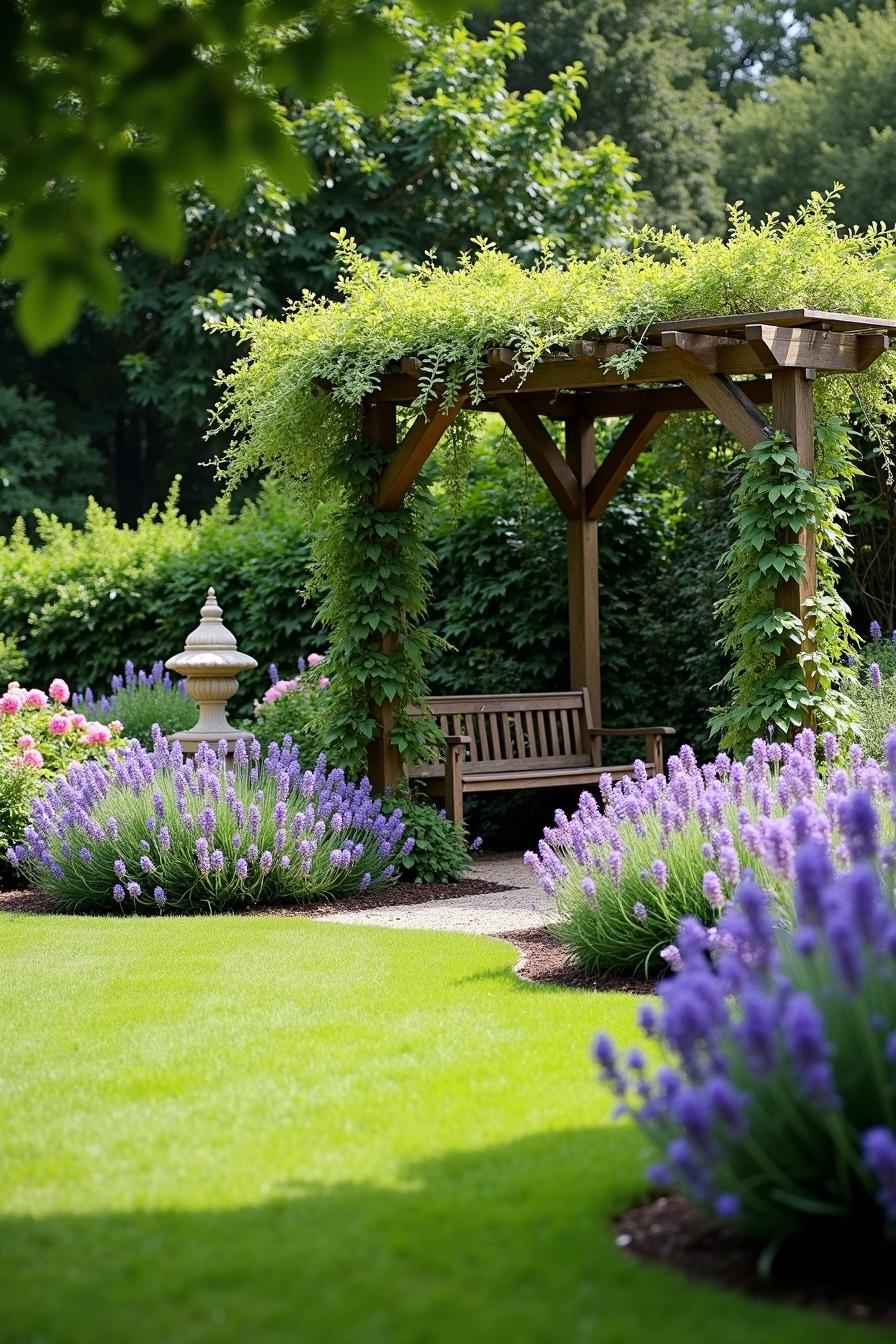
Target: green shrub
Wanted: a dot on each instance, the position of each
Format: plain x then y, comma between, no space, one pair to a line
876,705
18,787
440,852
158,831
86,598
12,660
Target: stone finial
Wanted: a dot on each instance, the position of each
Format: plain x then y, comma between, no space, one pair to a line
210,663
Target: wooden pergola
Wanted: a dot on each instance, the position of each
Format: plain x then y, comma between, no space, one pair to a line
737,367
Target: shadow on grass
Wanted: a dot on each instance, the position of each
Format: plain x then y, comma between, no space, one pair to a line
508,1242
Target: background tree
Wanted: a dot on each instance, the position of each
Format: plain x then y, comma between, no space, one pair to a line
646,88
453,154
835,122
106,109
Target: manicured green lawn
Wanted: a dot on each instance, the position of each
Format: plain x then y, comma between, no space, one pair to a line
257,1130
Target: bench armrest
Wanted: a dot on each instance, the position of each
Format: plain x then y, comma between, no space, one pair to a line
631,732
456,740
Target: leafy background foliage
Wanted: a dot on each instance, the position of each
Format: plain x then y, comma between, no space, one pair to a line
107,110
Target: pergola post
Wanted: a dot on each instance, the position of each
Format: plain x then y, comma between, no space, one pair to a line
793,413
581,546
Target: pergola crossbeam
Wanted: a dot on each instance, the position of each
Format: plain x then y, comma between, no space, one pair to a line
543,453
412,453
719,393
619,460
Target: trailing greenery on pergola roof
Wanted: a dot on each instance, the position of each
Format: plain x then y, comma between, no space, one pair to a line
458,325
349,398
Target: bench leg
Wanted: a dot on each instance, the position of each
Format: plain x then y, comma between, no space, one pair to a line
654,752
454,783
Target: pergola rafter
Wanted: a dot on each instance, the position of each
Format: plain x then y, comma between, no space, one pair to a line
729,365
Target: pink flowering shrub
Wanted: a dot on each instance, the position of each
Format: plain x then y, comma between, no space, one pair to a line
40,737
627,869
292,706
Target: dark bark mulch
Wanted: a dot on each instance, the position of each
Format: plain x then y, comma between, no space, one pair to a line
837,1279
547,962
402,893
28,902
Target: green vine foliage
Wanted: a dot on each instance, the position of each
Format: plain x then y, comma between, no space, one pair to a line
370,573
784,675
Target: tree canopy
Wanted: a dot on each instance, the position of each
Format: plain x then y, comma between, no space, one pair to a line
834,120
105,109
452,155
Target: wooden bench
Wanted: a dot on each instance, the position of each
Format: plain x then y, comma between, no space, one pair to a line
497,742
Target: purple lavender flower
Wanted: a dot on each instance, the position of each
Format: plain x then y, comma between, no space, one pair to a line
879,1152
118,892
875,631
242,869
159,897
859,824
712,890
874,676
639,910
810,1050
672,957
660,873
134,889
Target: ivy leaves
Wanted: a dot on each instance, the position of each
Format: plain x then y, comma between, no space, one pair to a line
785,673
371,576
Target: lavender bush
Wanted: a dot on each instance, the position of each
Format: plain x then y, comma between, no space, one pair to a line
623,877
776,1108
139,699
158,831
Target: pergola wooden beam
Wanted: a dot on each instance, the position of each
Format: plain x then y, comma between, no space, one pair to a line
669,398
720,394
543,453
790,347
839,353
619,460
412,453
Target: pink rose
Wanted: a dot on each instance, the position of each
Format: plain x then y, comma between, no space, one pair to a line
59,691
96,733
324,683
59,724
314,659
12,701
25,741
116,725
78,721
271,694
36,699
32,757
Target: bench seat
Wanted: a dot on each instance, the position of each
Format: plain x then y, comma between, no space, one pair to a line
523,742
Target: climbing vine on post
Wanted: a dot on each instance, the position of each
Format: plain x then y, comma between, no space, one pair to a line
785,675
370,575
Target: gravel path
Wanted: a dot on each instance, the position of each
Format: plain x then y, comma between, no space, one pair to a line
522,905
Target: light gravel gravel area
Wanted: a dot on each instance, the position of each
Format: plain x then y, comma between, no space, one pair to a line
522,905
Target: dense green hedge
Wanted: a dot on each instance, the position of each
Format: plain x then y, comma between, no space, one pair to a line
82,600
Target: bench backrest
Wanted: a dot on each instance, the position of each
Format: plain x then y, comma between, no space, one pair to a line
516,732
